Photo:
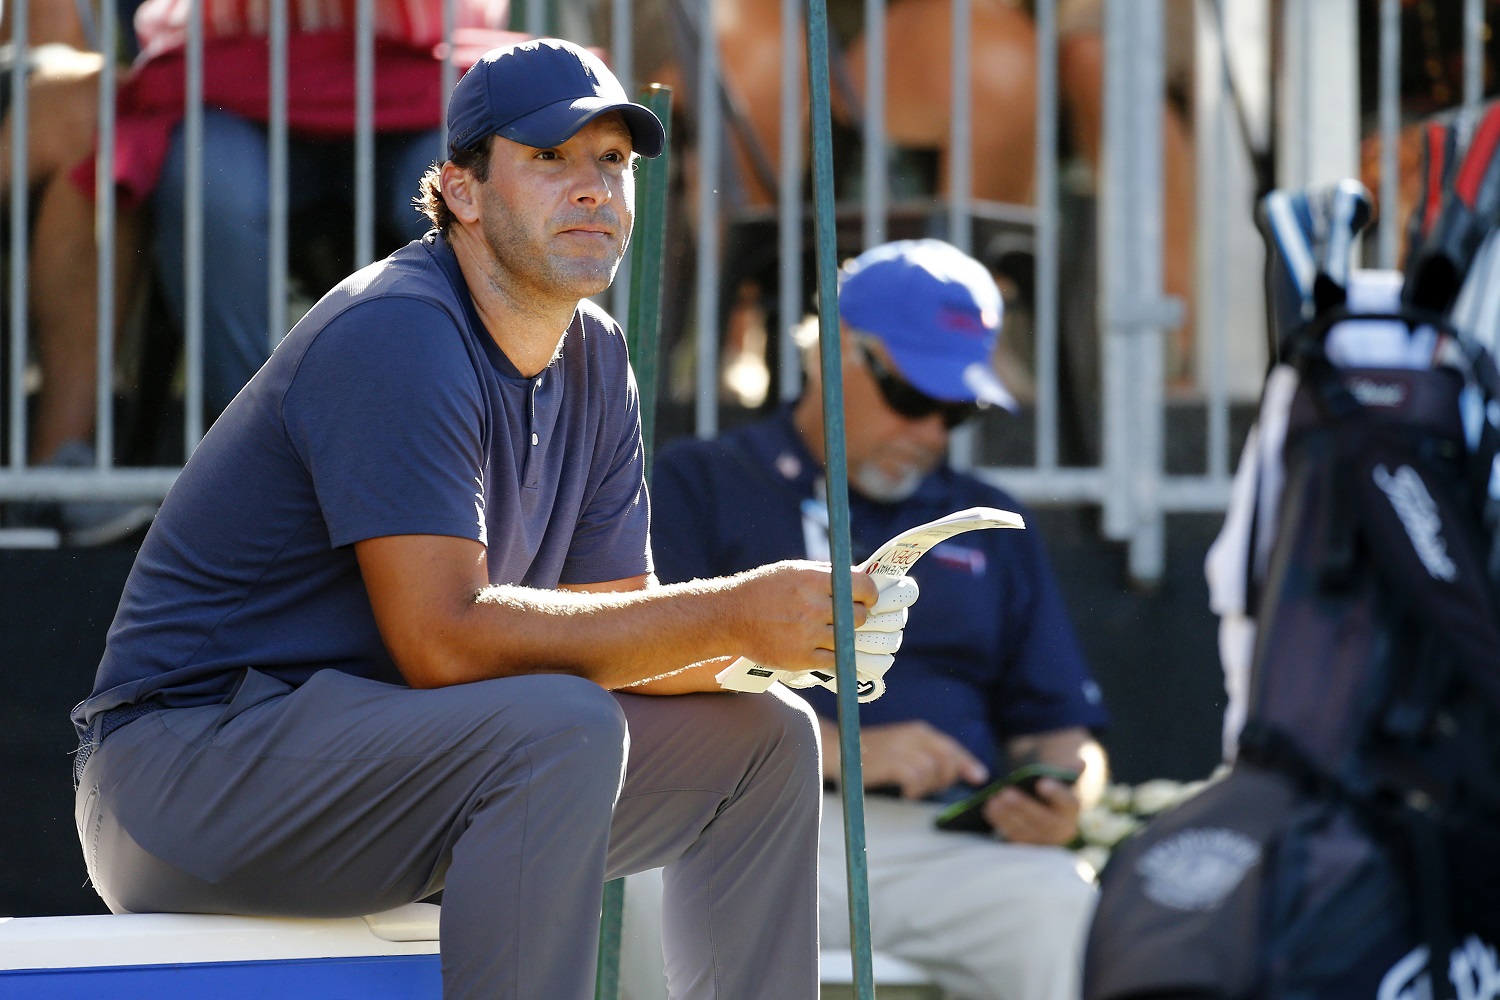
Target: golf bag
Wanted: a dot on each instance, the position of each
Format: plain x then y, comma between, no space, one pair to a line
1353,850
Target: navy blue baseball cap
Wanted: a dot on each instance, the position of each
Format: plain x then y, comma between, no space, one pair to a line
539,93
937,311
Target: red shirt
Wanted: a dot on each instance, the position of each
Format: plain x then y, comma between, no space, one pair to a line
320,72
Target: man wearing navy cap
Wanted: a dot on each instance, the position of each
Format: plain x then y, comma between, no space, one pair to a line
990,675
368,649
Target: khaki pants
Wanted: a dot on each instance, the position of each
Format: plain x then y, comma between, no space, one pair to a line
985,919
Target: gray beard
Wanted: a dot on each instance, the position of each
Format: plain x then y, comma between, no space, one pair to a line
879,486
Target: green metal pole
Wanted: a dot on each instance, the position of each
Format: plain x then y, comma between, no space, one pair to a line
642,335
643,328
611,921
852,778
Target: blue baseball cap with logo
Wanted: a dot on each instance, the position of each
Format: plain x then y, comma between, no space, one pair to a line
937,311
539,93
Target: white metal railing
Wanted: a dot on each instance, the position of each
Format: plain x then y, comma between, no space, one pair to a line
1130,483
19,232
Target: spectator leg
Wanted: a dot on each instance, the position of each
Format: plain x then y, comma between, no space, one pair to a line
919,38
64,309
236,244
62,294
749,37
988,921
1081,82
62,92
401,159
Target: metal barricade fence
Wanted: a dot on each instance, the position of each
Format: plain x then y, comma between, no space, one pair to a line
1130,482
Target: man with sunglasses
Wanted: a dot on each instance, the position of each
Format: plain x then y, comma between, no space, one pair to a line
989,677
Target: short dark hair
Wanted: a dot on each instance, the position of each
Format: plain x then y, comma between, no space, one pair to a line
429,200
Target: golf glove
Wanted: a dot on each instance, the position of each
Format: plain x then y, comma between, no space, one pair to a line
875,645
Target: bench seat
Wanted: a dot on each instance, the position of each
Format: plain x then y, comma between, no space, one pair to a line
384,956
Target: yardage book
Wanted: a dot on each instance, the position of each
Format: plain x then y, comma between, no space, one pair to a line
887,564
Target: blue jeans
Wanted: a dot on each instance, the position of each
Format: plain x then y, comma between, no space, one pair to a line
236,227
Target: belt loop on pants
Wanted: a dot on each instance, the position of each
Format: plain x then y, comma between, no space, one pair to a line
103,724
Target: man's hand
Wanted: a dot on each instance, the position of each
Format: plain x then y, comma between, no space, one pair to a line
786,614
917,758
1050,818
876,641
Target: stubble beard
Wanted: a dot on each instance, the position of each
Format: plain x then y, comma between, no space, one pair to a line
537,266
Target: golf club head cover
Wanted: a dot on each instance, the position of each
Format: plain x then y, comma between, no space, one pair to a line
1309,243
1470,209
1445,139
1347,209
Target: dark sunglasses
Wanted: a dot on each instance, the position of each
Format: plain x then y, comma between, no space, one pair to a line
911,402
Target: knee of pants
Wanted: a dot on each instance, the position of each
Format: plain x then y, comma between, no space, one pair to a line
578,712
779,728
1052,890
236,172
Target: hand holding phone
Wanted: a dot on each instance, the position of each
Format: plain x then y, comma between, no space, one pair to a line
967,814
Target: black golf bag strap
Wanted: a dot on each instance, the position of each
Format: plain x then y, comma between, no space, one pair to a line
1270,749
1429,885
1486,375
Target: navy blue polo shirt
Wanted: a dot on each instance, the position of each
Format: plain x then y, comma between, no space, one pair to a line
388,410
989,653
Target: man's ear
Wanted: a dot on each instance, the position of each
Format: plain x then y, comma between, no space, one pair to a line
459,190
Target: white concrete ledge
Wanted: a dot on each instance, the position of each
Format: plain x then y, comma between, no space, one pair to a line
187,938
181,939
837,966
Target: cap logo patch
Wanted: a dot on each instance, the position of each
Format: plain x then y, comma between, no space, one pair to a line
961,321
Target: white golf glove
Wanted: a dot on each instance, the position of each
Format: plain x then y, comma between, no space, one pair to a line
880,636
875,645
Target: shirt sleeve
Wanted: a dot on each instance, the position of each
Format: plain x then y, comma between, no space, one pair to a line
387,414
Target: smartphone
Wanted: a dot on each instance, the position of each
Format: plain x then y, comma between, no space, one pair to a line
967,814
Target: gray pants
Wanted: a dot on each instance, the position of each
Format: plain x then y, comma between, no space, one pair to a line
345,796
